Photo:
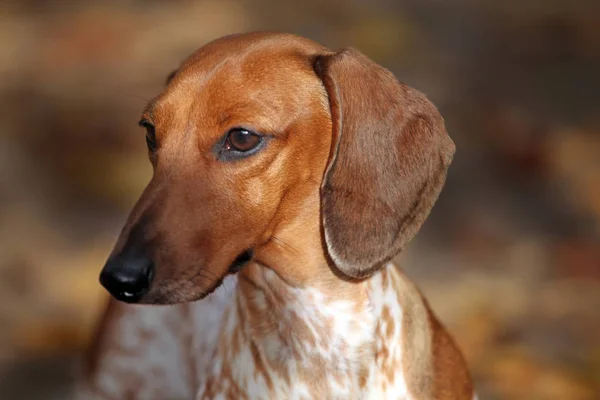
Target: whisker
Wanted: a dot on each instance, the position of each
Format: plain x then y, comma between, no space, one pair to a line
283,243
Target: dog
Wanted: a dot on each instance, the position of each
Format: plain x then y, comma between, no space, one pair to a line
285,179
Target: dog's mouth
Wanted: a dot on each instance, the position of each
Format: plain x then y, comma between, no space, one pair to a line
241,261
161,292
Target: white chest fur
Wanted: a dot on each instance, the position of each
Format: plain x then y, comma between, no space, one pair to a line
317,347
229,346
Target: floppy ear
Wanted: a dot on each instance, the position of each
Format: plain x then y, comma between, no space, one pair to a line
388,162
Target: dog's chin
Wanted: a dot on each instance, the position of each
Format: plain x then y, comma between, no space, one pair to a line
174,295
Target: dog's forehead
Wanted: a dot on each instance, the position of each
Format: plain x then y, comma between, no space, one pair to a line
245,77
266,64
274,44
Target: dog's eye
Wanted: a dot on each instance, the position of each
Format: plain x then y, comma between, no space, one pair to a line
242,140
150,135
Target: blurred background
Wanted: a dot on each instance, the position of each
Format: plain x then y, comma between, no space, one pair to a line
510,257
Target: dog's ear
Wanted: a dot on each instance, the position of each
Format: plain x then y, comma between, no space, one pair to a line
388,162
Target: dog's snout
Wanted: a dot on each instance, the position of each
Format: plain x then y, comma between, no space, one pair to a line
127,279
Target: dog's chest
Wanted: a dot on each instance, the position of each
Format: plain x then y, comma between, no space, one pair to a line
321,349
158,352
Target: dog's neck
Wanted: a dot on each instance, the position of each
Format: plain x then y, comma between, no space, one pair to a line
328,342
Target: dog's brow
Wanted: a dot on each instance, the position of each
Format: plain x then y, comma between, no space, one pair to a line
251,114
229,114
148,112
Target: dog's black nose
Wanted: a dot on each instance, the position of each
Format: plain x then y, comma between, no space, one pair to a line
127,279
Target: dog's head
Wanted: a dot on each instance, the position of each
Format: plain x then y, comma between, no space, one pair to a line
269,146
